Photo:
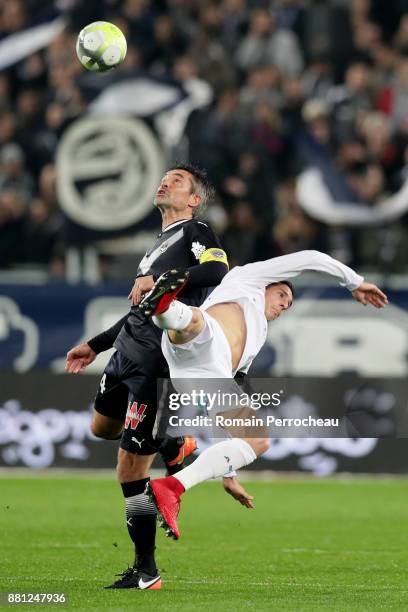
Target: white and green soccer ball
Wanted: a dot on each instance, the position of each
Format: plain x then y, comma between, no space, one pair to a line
101,46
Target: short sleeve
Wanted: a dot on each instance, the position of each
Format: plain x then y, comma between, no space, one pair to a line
203,245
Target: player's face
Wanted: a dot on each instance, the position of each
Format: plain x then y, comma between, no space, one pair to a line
176,192
278,298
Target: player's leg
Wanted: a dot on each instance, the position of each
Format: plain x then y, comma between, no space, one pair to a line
133,472
246,443
183,322
110,402
173,319
221,458
137,450
133,475
215,461
136,453
106,427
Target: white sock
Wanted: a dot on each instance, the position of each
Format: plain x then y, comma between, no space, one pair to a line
177,317
217,461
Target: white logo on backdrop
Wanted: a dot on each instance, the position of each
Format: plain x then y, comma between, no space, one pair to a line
108,171
316,200
11,320
32,438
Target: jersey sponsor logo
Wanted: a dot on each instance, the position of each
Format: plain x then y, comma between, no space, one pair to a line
214,255
198,249
135,415
148,260
139,442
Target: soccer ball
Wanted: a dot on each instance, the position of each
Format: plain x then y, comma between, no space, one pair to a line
101,46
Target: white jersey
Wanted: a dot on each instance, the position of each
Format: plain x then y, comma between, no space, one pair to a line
246,286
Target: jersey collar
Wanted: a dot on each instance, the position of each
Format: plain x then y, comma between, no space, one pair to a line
169,227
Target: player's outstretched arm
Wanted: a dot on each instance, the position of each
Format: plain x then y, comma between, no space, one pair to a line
368,293
82,355
79,357
261,273
237,491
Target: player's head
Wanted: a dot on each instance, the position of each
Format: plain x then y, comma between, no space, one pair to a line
278,298
185,189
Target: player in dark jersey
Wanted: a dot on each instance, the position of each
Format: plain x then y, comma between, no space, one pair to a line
126,398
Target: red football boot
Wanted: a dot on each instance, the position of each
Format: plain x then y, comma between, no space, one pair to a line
165,493
163,293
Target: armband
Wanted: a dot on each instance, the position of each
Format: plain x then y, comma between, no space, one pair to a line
214,254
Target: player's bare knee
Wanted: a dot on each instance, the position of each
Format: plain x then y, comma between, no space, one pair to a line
105,428
259,445
104,433
262,446
97,431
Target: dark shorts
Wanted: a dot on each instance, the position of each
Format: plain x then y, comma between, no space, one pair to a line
128,393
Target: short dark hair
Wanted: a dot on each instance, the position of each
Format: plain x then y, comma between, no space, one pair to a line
283,282
201,185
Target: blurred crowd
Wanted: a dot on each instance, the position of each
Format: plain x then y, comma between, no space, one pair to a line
336,70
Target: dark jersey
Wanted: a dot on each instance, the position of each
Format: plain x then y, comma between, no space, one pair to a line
181,245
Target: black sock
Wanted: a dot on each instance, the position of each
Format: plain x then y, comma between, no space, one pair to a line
141,523
170,448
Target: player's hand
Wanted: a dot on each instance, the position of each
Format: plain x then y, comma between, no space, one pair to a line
367,293
79,357
234,488
142,285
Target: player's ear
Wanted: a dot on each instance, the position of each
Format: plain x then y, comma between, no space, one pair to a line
195,200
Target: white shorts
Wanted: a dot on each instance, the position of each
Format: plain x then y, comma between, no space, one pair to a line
208,355
204,365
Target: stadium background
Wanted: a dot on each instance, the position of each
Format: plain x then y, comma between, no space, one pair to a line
298,109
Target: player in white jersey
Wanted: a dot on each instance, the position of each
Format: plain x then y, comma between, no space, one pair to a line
221,338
